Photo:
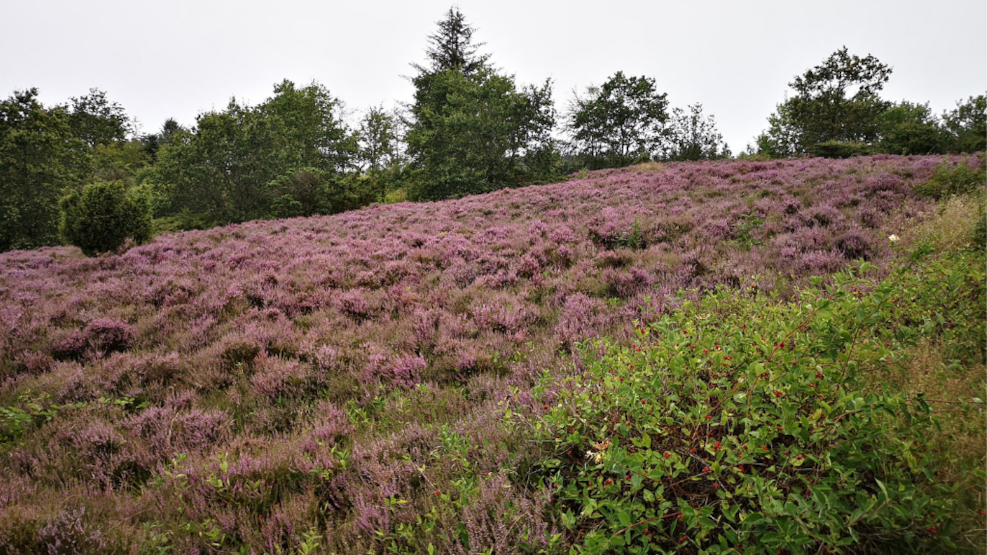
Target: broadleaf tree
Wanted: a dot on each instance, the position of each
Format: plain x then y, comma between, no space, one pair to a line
620,122
378,138
223,167
836,101
313,130
40,160
98,121
910,128
693,136
967,125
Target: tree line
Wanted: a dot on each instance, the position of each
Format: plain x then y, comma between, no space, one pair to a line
81,173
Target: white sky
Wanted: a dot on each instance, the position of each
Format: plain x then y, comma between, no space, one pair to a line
177,58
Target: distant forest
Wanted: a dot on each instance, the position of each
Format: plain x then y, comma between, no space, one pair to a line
80,173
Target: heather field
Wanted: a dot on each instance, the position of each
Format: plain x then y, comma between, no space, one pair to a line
406,378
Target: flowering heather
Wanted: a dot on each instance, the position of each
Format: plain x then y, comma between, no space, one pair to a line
345,376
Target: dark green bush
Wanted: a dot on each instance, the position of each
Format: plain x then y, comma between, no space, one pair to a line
955,179
310,191
103,216
841,149
745,425
183,221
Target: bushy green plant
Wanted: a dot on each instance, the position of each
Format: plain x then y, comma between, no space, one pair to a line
310,191
103,216
954,179
183,221
842,149
745,425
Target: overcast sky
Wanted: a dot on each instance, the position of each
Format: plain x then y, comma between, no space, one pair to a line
177,58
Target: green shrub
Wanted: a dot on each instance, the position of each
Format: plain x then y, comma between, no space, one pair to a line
953,179
745,425
103,216
310,191
396,196
842,149
183,221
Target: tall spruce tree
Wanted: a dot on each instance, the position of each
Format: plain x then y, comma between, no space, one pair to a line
472,129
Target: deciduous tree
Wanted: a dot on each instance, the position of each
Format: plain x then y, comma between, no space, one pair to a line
693,136
40,159
618,123
224,166
836,101
98,121
314,134
379,148
967,125
910,128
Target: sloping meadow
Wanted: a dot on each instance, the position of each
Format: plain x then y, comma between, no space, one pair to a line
340,381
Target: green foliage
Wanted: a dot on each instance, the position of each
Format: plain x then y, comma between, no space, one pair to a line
967,125
309,122
693,136
619,123
842,149
823,109
954,179
97,121
452,48
183,221
980,232
746,229
907,128
378,141
781,139
31,411
39,160
120,161
310,191
746,425
478,133
225,165
472,129
154,141
103,216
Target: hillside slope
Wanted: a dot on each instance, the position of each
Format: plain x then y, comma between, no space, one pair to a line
325,360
